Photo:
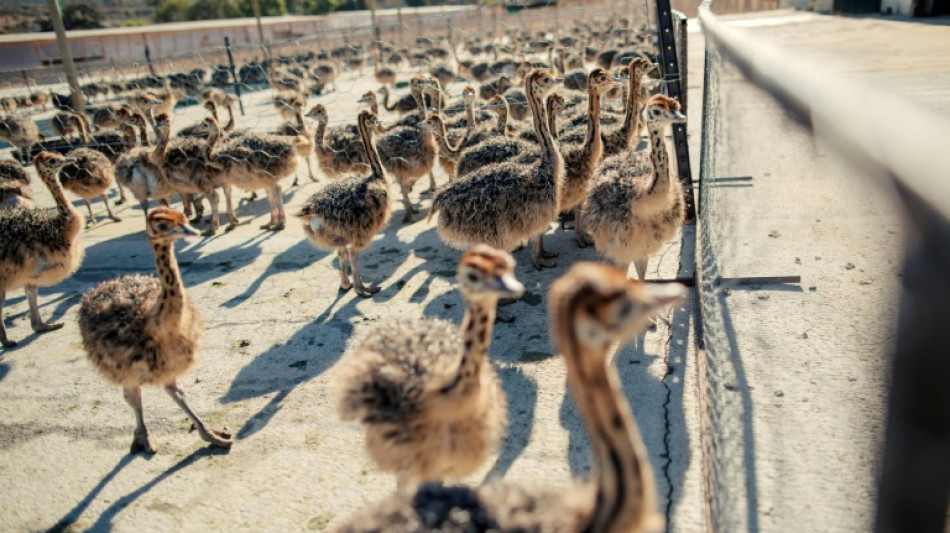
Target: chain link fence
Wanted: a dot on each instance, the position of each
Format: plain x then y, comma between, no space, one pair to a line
800,167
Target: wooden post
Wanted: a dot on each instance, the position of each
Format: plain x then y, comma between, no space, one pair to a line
376,36
62,43
256,6
402,40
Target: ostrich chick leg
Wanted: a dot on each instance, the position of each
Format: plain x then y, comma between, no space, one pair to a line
6,342
92,219
105,201
539,257
361,289
407,205
432,185
38,325
343,254
220,439
140,442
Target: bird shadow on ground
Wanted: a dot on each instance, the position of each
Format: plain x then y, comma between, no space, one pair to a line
579,452
65,523
522,394
4,370
297,257
104,522
308,354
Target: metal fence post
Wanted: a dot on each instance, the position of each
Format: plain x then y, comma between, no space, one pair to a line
670,67
915,472
148,59
237,84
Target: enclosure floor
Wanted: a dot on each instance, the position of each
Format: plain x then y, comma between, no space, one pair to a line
814,358
276,327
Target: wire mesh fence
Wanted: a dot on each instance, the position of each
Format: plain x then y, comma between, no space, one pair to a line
798,174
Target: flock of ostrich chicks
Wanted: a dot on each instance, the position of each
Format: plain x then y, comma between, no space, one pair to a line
424,390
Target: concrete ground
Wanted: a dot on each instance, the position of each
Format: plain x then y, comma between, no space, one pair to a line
276,326
810,362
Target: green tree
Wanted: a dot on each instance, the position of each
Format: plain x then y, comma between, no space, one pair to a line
319,7
269,8
171,11
81,17
212,9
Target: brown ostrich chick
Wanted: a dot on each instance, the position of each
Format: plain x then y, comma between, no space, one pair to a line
425,390
144,330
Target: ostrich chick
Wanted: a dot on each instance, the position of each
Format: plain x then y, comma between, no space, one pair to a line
142,330
347,214
633,206
39,247
88,174
14,185
425,390
591,308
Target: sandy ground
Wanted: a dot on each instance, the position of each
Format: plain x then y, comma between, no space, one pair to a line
276,327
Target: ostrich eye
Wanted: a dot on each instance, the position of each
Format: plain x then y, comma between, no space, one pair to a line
472,277
161,226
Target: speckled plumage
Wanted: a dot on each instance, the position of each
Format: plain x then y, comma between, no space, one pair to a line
591,308
521,149
124,340
21,132
491,508
188,164
627,223
40,247
495,150
144,330
256,160
339,149
502,204
581,158
138,172
424,389
90,175
407,154
14,185
391,382
351,212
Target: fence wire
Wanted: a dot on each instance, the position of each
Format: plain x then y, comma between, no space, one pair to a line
798,172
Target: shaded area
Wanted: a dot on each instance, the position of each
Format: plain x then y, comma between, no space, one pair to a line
104,522
522,394
64,523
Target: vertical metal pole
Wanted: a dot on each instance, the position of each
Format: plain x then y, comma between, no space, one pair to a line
682,43
148,60
670,67
26,81
915,472
63,44
237,84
